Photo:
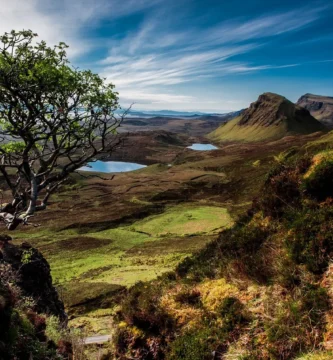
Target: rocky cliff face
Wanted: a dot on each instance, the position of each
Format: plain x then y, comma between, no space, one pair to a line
271,117
27,299
272,109
320,107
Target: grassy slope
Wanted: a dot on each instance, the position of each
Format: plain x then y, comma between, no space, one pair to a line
263,290
127,254
231,131
272,117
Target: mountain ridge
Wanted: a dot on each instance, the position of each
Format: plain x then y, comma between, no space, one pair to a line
271,117
320,107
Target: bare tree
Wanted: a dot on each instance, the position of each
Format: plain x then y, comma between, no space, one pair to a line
53,119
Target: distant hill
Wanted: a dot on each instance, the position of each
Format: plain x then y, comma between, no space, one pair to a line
320,107
171,114
271,117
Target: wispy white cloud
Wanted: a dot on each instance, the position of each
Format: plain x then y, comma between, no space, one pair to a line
64,20
136,97
155,58
263,26
148,60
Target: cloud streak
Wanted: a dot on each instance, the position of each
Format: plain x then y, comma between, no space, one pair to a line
154,58
163,49
65,20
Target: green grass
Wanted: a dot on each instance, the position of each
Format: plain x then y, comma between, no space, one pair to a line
320,355
127,254
324,142
118,255
231,131
182,220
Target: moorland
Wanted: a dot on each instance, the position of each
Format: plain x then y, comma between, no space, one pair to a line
191,249
104,233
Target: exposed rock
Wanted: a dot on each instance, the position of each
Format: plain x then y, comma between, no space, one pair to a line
320,107
271,117
33,277
272,109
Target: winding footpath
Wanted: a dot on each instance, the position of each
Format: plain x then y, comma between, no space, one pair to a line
97,339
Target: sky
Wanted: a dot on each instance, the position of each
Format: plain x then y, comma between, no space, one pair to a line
190,55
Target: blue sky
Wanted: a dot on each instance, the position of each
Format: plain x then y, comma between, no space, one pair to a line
198,55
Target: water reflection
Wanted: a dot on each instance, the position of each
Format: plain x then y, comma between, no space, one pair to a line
202,147
111,166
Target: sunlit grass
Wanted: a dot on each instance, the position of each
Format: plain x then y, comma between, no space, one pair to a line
128,254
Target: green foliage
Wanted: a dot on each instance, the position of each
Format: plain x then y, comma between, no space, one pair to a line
141,309
53,329
211,338
232,312
53,111
319,184
194,345
282,190
189,296
183,220
310,239
295,323
244,240
13,147
26,256
285,155
317,355
276,255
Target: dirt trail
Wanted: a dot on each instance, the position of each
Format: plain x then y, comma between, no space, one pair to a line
97,339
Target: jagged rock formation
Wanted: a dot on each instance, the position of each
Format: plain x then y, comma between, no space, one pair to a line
320,107
271,117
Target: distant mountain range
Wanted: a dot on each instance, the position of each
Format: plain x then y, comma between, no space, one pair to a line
170,113
271,117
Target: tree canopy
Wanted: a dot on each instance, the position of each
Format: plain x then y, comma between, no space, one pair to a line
54,118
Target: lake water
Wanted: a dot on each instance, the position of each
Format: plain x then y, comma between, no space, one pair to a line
111,166
202,147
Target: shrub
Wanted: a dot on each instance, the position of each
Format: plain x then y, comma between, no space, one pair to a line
297,324
192,346
141,309
310,239
232,312
319,183
53,329
281,191
212,338
189,296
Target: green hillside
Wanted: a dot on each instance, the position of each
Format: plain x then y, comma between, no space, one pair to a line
271,117
262,290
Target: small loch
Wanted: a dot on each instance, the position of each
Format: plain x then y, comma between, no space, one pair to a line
202,147
111,166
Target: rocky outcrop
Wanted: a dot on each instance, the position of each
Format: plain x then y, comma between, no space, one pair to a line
272,109
27,299
33,276
271,117
320,107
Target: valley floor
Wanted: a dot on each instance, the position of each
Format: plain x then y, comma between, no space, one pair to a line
101,235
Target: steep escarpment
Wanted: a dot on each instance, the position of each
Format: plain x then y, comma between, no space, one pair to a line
320,107
271,117
27,301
